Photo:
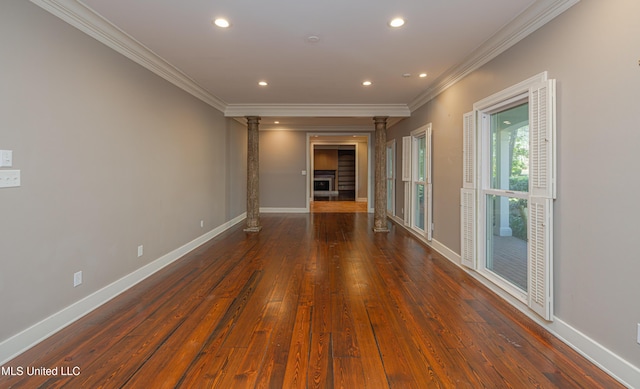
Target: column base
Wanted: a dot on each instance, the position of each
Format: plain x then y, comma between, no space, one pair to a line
252,229
380,229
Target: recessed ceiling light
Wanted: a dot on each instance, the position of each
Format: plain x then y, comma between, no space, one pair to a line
423,75
276,122
262,83
366,83
406,75
221,22
397,22
313,39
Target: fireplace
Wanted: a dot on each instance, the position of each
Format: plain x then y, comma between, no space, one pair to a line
324,182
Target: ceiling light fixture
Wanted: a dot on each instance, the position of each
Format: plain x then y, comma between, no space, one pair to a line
262,83
313,39
366,83
397,22
423,75
221,22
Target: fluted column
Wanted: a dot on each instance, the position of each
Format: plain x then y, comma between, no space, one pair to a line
380,205
253,176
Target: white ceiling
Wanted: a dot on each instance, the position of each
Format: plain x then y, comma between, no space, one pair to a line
268,40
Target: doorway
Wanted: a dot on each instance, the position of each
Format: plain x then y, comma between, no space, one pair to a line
339,172
334,173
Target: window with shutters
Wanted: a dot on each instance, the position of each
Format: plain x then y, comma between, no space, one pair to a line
508,191
416,175
391,177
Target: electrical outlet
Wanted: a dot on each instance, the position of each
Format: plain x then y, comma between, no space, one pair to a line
201,223
77,278
140,251
9,178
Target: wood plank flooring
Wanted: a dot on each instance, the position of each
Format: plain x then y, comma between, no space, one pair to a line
312,301
338,206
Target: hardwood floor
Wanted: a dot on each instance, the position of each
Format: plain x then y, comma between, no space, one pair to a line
337,207
316,301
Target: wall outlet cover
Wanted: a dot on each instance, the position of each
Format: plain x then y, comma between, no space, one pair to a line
77,278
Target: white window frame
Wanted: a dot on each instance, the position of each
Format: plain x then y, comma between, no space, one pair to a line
406,179
426,132
391,177
540,94
484,133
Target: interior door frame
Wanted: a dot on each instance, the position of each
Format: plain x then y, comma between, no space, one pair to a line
316,138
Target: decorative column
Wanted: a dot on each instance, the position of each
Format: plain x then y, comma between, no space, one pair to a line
253,176
380,205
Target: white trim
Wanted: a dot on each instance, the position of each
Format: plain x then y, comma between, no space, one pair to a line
536,16
620,369
391,175
283,210
317,110
611,363
88,21
505,97
15,345
420,132
315,139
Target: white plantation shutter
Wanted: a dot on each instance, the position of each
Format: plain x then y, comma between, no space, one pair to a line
541,194
406,158
540,257
407,204
468,151
541,133
468,227
429,186
468,193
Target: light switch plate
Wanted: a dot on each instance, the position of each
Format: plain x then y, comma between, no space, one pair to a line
6,158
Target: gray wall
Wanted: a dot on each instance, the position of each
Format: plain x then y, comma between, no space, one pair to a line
283,156
592,51
282,160
111,157
363,171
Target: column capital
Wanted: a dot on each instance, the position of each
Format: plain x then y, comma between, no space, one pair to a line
380,119
253,119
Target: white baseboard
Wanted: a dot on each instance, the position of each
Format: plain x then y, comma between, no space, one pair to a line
620,369
17,344
283,210
362,200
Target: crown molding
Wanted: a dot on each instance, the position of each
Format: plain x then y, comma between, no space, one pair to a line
317,110
534,17
82,17
86,20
